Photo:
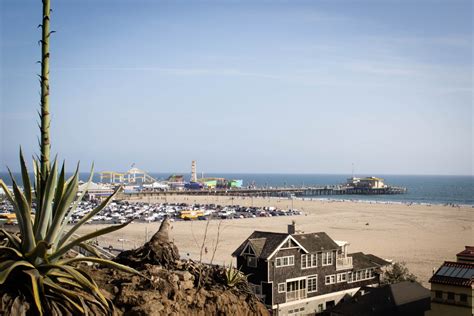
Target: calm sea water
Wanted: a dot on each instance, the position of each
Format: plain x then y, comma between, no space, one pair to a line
421,189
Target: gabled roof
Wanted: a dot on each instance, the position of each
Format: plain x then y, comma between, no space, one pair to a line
267,243
257,245
363,261
315,242
454,273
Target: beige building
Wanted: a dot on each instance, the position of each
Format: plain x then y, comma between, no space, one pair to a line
368,182
372,182
452,287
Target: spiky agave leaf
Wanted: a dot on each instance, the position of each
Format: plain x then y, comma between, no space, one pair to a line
234,276
54,284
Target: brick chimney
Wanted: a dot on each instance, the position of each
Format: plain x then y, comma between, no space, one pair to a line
292,228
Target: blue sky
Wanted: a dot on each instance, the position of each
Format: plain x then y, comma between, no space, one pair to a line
245,86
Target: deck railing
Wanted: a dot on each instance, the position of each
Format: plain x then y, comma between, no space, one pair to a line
295,295
343,263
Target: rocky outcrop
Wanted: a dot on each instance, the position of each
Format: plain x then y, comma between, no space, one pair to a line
166,292
159,250
171,286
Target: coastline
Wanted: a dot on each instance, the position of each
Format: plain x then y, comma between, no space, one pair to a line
422,236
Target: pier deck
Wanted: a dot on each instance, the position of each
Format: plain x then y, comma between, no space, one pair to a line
273,192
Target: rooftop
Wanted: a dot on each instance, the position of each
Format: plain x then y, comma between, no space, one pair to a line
404,298
454,273
467,253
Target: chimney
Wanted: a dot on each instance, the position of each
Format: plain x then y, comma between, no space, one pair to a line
292,228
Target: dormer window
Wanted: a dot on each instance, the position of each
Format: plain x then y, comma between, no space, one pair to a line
252,261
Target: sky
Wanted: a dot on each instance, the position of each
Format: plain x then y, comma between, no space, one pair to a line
244,86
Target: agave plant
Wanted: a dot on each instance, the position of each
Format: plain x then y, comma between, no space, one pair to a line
234,276
36,256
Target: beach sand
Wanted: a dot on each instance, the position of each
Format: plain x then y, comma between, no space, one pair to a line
420,235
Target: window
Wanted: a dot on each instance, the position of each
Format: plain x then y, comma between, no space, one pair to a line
451,296
312,283
330,279
463,298
341,277
439,294
309,261
327,258
285,261
252,261
360,275
281,287
296,312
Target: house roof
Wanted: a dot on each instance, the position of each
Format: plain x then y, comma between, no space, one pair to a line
265,243
257,244
364,261
390,299
467,253
454,273
314,242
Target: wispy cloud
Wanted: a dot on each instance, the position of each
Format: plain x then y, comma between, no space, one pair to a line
177,71
455,41
379,68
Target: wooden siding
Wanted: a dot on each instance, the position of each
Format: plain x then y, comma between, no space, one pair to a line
268,272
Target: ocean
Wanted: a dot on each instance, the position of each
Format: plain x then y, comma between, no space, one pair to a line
428,189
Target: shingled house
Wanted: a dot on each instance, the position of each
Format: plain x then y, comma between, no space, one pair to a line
303,273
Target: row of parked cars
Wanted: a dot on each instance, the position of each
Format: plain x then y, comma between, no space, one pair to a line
123,211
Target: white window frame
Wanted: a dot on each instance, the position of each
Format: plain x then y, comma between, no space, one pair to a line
332,279
312,278
280,261
284,287
249,259
309,261
327,258
341,277
361,275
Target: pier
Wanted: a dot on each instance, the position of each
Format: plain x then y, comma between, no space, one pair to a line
271,192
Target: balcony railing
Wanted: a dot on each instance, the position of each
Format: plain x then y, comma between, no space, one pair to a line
343,263
295,295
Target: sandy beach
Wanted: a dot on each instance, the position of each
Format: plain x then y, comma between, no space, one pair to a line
420,235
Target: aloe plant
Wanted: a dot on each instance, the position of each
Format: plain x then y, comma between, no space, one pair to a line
234,276
32,262
54,283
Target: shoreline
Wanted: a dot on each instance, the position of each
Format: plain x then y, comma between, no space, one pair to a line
407,203
422,236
